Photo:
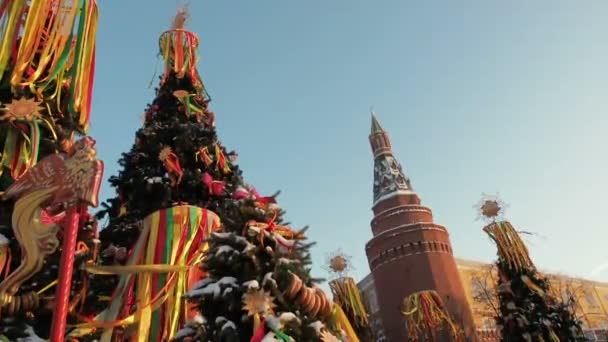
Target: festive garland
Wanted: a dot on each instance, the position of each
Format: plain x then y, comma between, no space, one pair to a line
347,295
425,312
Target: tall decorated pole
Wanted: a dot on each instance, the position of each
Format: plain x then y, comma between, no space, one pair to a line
346,294
47,62
58,183
528,309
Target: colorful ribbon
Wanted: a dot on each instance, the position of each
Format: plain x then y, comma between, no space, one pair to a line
178,48
424,313
21,147
511,248
56,49
215,187
342,323
157,272
204,156
347,295
221,159
173,167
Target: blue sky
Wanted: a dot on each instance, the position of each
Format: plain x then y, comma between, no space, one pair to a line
478,96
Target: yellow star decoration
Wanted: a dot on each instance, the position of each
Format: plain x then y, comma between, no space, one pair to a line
165,152
258,302
22,109
326,336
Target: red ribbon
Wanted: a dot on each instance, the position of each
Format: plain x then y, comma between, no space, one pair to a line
172,165
260,333
215,187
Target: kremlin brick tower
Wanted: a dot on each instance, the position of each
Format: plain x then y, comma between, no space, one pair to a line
408,252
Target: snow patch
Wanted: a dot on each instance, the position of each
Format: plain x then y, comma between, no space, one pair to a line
228,325
184,332
212,288
31,336
285,261
223,249
3,240
318,326
268,279
252,284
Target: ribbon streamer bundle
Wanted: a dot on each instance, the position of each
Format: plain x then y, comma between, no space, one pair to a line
51,48
347,295
424,313
178,48
161,268
510,246
47,48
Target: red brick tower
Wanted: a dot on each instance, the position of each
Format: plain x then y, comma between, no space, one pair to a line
408,252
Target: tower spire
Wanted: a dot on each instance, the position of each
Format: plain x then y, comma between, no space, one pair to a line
376,128
389,178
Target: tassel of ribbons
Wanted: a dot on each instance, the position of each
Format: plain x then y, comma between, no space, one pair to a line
157,272
179,50
347,295
511,248
221,159
171,163
21,148
56,49
204,156
22,145
191,107
424,313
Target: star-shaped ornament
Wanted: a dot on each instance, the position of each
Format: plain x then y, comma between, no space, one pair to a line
258,302
22,109
490,207
164,153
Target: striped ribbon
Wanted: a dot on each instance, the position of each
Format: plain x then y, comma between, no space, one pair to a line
159,271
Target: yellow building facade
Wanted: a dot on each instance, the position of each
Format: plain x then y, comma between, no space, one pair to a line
590,299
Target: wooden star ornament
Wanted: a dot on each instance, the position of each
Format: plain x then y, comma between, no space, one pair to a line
165,153
258,302
22,109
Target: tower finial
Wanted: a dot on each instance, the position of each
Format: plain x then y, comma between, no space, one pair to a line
376,128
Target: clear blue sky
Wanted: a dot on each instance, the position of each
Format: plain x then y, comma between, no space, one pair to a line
478,96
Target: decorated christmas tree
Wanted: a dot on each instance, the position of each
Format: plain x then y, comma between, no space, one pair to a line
184,225
528,310
258,285
47,55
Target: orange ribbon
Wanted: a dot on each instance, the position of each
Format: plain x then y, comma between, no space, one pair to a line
171,163
203,153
